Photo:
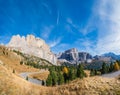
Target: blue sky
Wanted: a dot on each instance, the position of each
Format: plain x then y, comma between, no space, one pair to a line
89,25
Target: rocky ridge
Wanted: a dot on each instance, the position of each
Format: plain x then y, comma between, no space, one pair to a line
32,46
74,56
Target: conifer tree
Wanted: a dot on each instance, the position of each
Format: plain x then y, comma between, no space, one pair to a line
60,78
111,67
71,74
54,78
104,68
49,80
80,71
92,72
27,78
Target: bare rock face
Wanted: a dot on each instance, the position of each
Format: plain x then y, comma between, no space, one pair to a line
73,56
33,46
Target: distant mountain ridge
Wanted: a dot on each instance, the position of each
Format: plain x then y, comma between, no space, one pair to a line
73,56
112,55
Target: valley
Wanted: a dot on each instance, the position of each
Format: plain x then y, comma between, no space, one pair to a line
59,47
12,84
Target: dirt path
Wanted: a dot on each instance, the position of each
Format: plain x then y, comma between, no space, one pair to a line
112,75
35,81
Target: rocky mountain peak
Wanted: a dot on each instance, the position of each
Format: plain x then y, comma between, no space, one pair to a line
33,46
74,56
71,50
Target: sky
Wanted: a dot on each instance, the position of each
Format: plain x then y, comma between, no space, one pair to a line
89,25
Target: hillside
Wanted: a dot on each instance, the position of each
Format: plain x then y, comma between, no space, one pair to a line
12,84
11,59
33,46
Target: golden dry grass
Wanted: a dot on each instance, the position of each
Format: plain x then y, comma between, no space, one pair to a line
12,61
10,84
40,75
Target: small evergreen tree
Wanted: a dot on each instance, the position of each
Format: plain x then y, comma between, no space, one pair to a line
13,71
96,72
21,62
54,78
60,78
104,68
92,72
111,69
80,71
49,80
27,78
71,74
43,83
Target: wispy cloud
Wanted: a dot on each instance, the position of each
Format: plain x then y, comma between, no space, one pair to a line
70,25
46,31
54,42
77,27
4,39
110,17
58,17
106,18
86,45
47,8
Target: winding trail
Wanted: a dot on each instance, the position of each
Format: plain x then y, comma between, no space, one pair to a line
112,75
32,80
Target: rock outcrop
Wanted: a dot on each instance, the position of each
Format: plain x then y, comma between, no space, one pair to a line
32,46
73,56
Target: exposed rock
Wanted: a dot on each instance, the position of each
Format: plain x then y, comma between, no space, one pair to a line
102,58
32,46
73,56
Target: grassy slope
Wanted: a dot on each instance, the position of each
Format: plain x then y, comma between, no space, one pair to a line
40,76
12,61
92,86
11,84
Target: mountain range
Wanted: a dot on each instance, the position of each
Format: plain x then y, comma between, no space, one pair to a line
37,47
33,46
73,56
112,55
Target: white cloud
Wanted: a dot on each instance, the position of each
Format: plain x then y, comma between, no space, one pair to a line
69,20
109,30
47,7
82,30
46,31
106,18
54,42
58,16
85,45
71,25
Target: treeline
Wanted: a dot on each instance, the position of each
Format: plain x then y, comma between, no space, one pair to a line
106,68
61,75
34,64
64,74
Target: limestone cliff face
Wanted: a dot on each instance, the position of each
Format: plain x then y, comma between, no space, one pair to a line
33,46
73,56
